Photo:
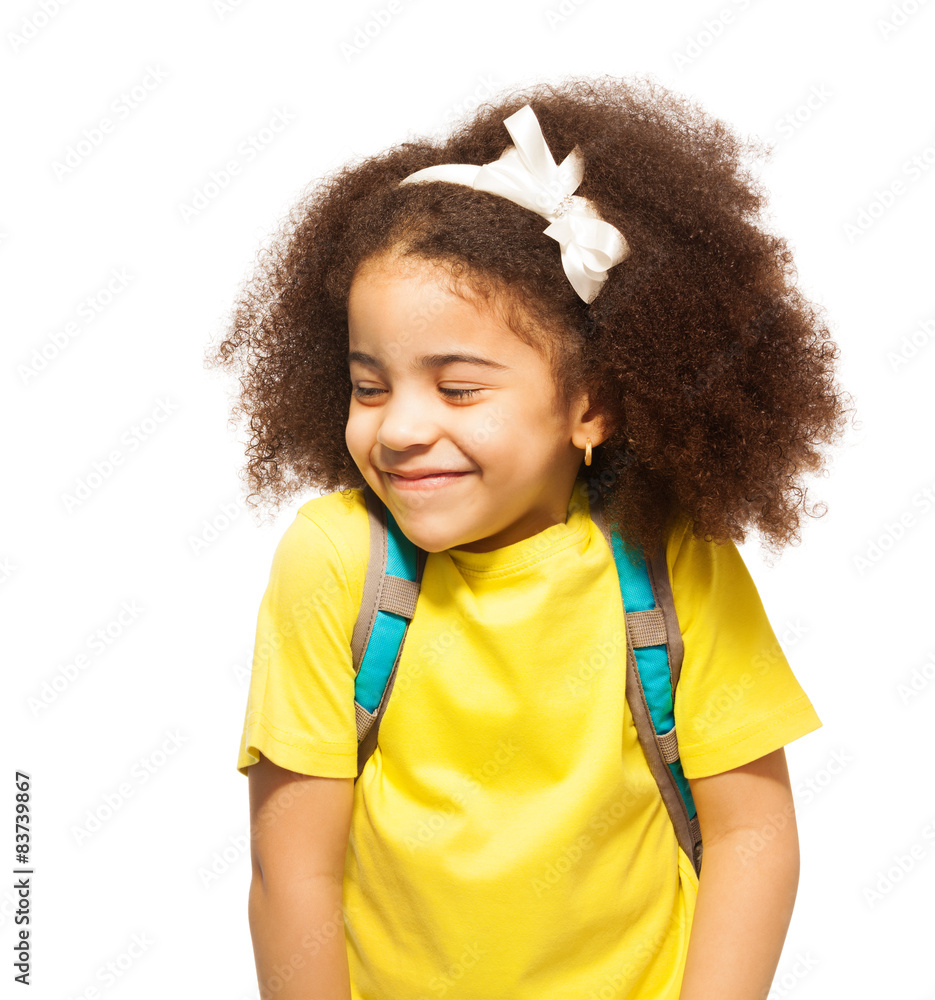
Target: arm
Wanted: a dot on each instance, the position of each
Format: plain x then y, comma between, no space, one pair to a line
299,827
749,878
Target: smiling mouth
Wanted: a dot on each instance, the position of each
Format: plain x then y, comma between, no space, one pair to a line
430,481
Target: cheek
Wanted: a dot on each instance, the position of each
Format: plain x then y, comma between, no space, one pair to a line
354,436
491,431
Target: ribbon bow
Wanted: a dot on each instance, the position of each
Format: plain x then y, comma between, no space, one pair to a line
527,174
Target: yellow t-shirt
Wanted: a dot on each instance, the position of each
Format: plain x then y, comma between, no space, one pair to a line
508,838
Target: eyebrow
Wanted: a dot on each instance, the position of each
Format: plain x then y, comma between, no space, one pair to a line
429,361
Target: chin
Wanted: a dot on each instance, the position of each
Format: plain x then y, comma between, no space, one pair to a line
430,541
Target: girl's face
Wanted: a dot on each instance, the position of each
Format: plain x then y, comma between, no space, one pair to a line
420,404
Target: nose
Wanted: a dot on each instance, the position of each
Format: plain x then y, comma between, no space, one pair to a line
406,423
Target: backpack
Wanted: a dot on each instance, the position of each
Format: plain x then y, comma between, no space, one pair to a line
654,651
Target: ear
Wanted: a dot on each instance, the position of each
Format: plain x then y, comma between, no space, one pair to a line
591,423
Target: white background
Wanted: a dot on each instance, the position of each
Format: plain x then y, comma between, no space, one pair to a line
150,722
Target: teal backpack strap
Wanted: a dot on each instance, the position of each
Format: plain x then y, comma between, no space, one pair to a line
654,661
391,590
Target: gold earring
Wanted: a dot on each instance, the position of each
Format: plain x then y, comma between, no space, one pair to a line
587,453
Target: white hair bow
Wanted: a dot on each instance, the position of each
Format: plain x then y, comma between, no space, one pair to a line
526,173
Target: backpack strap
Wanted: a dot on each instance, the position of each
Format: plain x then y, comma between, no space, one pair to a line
391,590
654,662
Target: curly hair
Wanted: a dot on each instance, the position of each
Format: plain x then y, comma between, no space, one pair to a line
714,374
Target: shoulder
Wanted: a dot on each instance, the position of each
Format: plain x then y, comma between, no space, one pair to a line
738,698
339,514
705,573
329,531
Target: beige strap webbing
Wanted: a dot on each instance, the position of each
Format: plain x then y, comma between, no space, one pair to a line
364,720
399,596
696,840
669,745
647,628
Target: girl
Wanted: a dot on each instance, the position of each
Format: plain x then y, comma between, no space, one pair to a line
581,309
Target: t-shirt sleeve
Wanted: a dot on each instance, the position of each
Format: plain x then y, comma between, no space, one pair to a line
300,707
737,698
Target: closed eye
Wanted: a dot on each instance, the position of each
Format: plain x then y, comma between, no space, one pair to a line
366,392
459,393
